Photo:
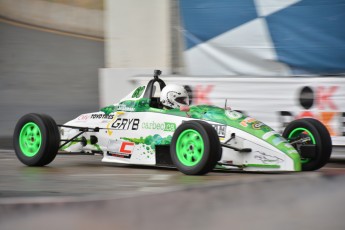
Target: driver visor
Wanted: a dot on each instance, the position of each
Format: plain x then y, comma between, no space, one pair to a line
182,100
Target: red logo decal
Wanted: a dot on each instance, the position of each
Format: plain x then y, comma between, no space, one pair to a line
83,117
127,147
324,97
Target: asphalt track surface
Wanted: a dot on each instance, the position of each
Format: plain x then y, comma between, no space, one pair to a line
80,192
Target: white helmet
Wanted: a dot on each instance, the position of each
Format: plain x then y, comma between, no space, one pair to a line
174,96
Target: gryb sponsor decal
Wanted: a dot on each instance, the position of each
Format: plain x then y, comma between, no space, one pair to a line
163,126
126,124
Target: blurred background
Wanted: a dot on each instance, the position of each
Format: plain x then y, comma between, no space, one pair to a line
274,60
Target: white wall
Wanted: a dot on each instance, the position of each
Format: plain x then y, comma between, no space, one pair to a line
137,35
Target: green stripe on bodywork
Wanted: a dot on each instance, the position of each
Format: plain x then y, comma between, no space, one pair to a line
150,140
262,166
296,161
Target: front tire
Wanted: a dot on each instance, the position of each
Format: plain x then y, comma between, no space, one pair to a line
195,148
318,135
36,139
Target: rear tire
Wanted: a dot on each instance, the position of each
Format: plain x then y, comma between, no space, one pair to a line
319,136
36,139
195,148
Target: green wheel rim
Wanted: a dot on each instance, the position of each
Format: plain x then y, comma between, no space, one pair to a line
190,147
296,132
30,139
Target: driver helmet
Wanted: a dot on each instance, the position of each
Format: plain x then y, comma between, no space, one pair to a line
174,96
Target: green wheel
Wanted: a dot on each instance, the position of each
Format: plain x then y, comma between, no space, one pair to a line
30,139
195,148
189,147
36,139
312,133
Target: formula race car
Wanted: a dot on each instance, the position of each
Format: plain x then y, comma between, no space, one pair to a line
195,139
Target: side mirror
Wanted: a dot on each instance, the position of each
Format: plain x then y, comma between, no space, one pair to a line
184,108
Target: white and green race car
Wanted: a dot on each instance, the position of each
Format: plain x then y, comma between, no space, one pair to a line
194,139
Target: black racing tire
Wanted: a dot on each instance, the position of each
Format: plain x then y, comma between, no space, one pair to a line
220,152
322,141
36,139
195,148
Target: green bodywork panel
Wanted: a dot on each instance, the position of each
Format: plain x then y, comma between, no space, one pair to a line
150,140
138,92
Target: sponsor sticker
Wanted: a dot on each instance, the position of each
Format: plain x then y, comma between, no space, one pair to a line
164,126
123,150
102,116
257,125
83,117
267,159
247,121
125,108
233,115
126,124
221,129
126,147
